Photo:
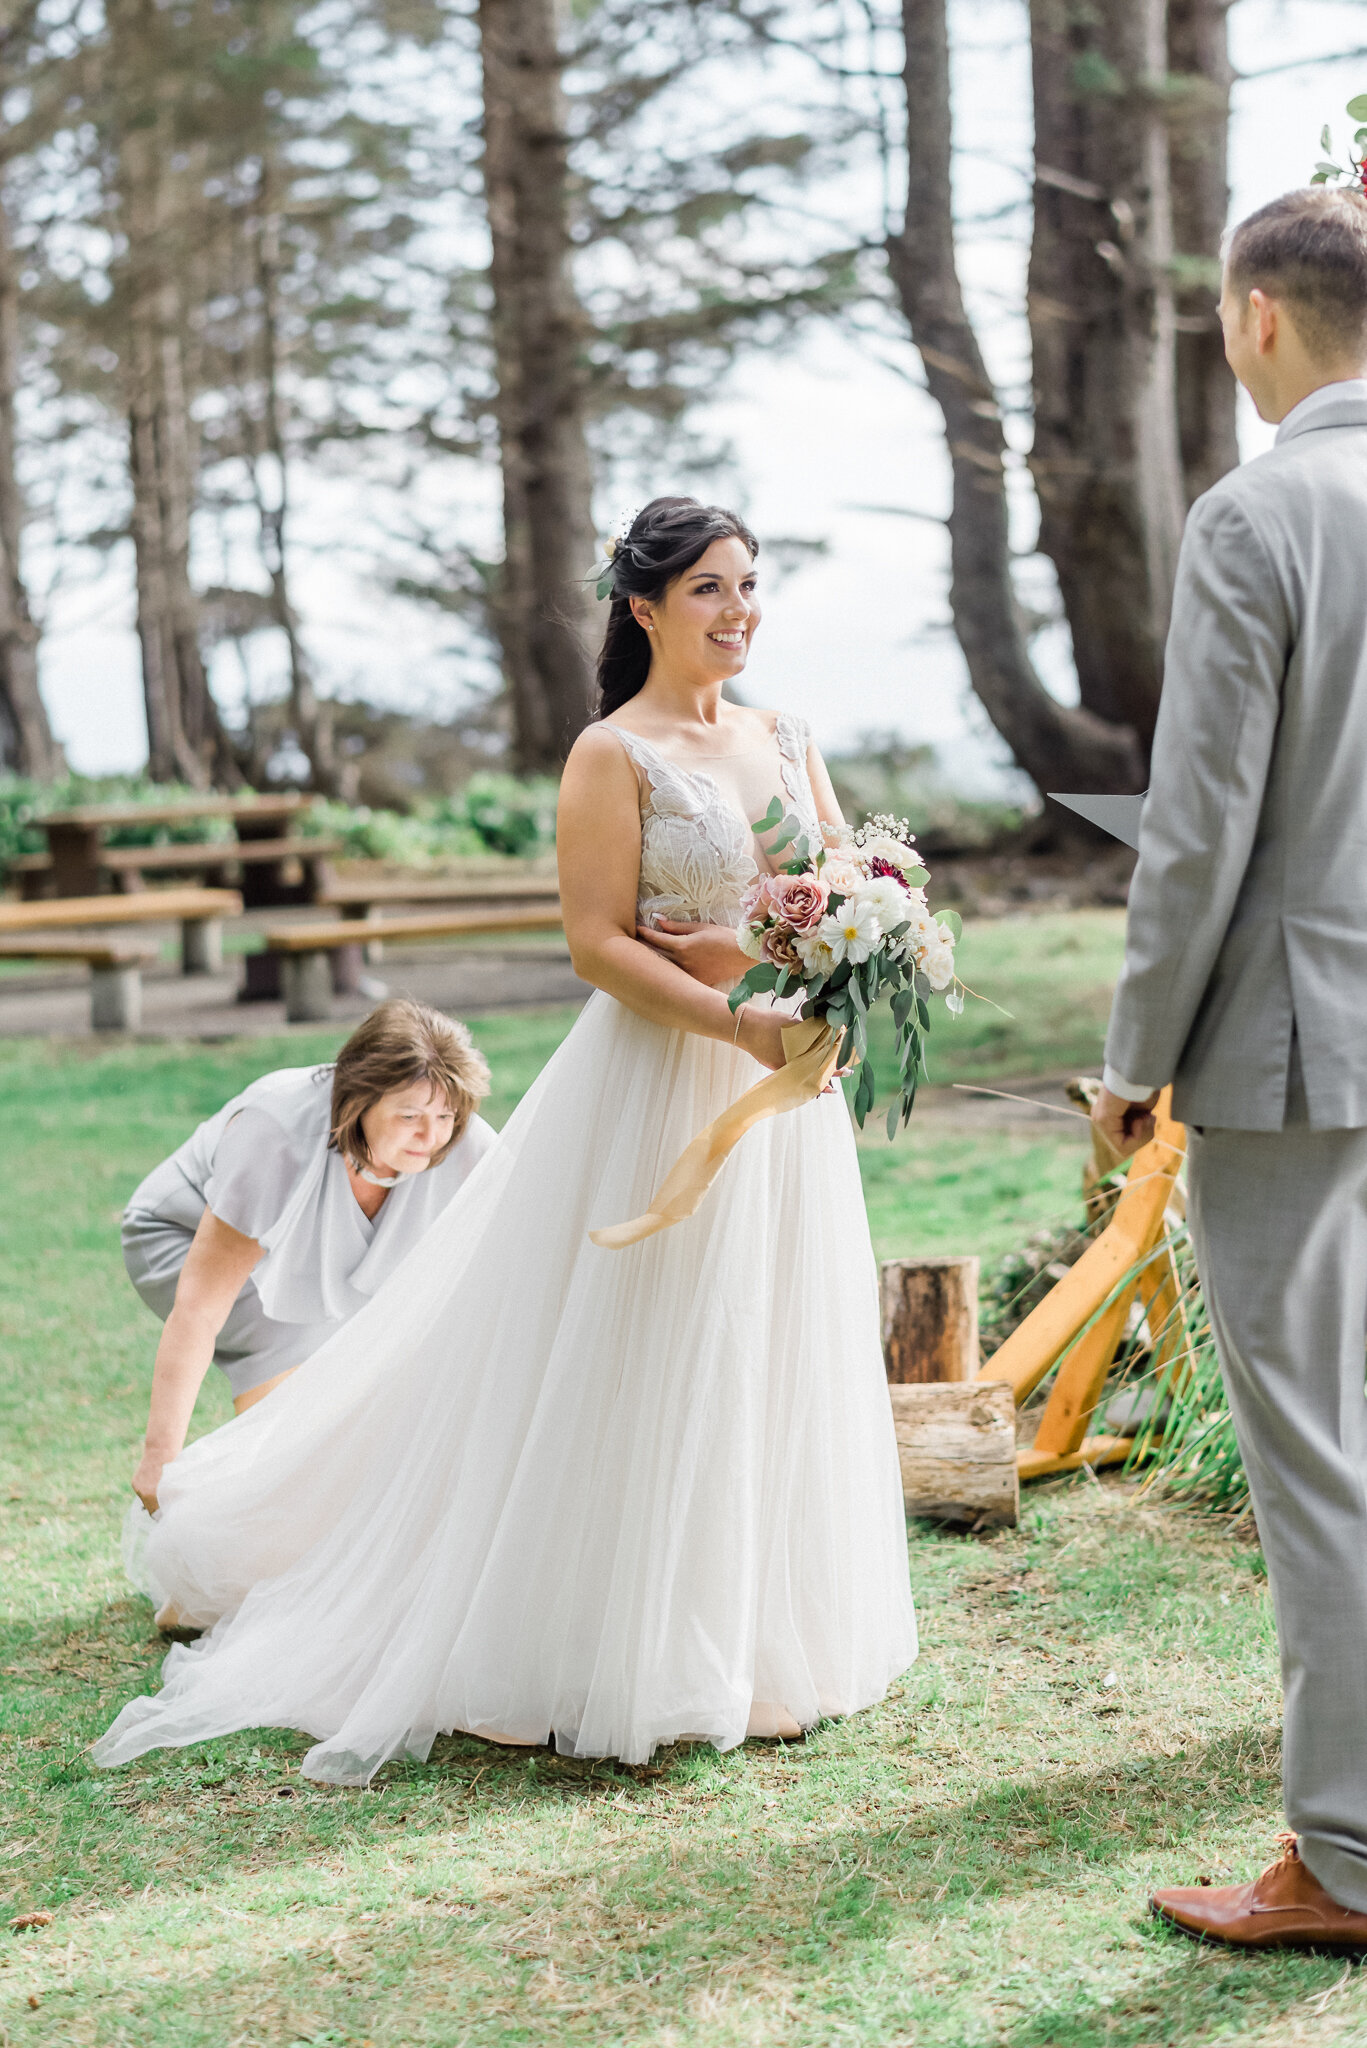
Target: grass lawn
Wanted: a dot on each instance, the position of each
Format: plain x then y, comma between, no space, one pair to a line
1094,1711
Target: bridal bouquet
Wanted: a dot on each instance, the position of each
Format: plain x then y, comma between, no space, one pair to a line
848,924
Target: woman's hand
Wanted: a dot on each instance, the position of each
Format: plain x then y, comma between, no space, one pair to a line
147,1478
709,952
761,1035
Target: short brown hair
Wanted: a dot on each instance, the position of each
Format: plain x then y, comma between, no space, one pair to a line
399,1043
1309,248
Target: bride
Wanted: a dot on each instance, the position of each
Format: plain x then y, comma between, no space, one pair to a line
536,1488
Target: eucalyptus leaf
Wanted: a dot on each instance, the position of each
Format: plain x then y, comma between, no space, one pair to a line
1326,139
762,977
916,876
953,920
773,816
1356,109
893,1114
954,1003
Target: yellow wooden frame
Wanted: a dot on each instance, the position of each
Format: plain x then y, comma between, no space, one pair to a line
1082,1319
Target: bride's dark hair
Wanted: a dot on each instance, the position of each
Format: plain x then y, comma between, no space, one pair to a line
663,541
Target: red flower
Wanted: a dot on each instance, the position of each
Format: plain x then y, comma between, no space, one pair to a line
879,866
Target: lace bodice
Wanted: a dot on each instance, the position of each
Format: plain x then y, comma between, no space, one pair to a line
698,852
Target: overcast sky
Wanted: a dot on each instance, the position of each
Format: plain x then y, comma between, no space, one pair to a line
854,640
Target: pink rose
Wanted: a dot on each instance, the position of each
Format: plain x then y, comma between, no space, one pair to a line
757,903
778,947
800,900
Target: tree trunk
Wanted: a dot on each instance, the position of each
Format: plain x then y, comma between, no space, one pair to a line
26,743
1057,746
312,719
930,1319
1200,77
544,605
185,735
1106,458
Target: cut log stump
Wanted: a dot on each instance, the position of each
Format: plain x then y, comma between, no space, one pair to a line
957,1444
930,1319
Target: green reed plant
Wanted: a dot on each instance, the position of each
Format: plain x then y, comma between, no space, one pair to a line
1186,1446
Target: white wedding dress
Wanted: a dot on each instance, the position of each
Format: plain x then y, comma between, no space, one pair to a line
538,1488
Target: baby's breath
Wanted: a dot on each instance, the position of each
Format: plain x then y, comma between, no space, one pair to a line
884,826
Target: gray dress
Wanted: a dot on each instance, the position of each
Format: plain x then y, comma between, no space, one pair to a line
263,1166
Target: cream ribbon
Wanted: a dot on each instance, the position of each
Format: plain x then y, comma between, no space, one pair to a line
810,1050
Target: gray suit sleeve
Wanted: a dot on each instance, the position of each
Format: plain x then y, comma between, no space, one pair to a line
1226,661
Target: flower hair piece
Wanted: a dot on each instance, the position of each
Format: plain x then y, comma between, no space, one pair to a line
605,576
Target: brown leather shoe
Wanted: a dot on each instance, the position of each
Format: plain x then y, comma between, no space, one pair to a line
1287,1907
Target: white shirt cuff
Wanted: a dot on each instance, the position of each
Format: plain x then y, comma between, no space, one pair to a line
1128,1091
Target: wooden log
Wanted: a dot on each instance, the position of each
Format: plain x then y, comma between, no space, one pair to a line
957,1445
930,1319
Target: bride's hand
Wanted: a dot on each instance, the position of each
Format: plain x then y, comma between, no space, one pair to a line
709,952
761,1035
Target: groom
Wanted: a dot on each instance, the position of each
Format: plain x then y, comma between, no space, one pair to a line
1245,985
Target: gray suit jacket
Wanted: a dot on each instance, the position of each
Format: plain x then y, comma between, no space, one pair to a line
1248,910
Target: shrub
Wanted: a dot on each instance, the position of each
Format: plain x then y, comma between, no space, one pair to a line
24,803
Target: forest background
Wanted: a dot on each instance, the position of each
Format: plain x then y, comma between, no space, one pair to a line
332,335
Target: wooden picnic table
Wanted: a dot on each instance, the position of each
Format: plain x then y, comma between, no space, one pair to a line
264,850
79,859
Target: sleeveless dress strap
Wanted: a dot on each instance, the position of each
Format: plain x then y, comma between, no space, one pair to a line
664,779
794,737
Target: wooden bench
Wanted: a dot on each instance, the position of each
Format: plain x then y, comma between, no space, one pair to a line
115,972
357,896
305,950
29,931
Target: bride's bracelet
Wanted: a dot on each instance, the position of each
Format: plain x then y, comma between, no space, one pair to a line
735,1035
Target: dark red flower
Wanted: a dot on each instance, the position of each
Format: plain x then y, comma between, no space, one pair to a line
879,866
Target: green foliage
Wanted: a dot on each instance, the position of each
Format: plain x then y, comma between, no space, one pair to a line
1188,1450
883,773
1327,171
491,814
413,838
23,804
511,815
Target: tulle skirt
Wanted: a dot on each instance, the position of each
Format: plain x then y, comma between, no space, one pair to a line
538,1488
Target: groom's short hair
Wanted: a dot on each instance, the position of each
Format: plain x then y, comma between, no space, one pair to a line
1309,249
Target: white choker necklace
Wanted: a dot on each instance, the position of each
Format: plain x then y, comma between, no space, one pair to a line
375,1179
